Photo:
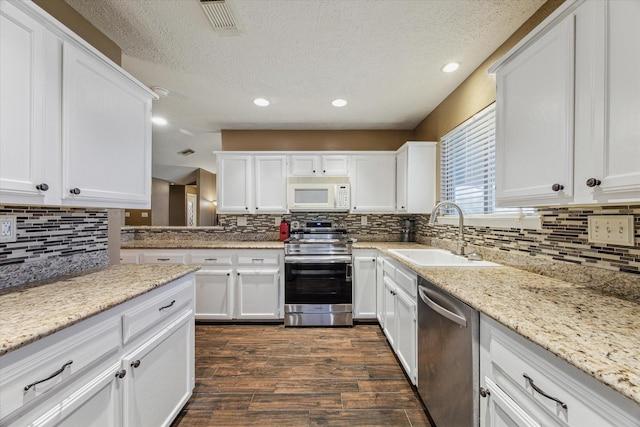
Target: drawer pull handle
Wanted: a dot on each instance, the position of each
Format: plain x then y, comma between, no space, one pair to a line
55,374
135,363
164,259
167,306
536,388
211,259
121,374
257,259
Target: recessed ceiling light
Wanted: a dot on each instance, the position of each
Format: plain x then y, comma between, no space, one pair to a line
339,102
450,67
159,120
261,102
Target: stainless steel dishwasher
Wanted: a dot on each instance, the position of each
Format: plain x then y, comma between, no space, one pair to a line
448,357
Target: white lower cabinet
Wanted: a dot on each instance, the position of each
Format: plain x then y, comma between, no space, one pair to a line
258,296
400,315
158,381
526,385
232,284
107,380
364,284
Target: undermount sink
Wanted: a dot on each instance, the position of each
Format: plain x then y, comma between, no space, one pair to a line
438,258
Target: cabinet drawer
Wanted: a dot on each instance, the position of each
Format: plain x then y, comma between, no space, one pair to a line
25,375
258,259
581,400
211,258
157,310
163,258
407,281
389,269
129,258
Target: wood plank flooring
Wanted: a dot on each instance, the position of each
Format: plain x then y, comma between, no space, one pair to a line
269,375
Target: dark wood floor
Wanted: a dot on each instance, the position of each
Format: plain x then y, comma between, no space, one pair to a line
268,375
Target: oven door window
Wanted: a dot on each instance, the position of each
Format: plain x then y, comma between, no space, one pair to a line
317,283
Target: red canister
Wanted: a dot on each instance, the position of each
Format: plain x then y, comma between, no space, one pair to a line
284,230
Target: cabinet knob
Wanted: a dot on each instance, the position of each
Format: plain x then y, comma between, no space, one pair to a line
592,182
135,363
121,373
246,208
42,187
355,207
75,191
256,208
314,171
557,187
324,171
484,392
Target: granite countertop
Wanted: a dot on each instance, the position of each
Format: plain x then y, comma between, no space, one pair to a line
201,244
72,299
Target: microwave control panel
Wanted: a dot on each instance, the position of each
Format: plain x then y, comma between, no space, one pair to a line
342,196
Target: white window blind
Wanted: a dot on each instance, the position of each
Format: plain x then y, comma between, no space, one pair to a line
468,165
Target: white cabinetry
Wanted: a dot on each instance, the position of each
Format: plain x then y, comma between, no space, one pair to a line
373,183
416,177
76,128
132,365
515,372
323,165
252,184
401,315
547,151
364,284
232,284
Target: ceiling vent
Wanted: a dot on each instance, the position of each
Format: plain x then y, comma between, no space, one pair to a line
186,152
221,16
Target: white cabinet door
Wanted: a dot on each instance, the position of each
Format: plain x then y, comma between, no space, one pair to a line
303,165
499,410
607,102
401,179
406,337
270,184
534,125
235,187
334,165
97,403
214,294
364,284
23,85
258,293
390,317
416,177
160,376
380,291
373,183
106,135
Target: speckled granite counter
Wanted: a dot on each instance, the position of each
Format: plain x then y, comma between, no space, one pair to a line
201,244
72,299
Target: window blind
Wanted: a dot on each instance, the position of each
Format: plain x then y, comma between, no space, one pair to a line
468,165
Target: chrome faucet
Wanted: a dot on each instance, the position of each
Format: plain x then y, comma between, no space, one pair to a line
432,221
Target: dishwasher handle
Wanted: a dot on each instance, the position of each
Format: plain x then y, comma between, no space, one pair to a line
456,318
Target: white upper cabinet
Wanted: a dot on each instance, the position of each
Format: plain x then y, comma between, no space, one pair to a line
106,134
23,85
319,165
607,102
75,128
568,109
271,184
373,183
534,125
416,177
252,184
235,189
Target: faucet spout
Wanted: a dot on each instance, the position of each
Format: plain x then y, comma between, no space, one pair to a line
434,215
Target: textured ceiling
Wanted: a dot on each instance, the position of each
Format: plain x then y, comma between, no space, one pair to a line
383,56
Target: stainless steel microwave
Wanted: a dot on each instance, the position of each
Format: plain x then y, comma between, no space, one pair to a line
319,194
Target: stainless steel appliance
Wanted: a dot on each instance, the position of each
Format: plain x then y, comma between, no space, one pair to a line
448,357
318,276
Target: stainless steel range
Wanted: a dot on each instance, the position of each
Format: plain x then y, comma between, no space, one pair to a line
318,276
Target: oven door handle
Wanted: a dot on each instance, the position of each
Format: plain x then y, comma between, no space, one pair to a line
320,259
349,272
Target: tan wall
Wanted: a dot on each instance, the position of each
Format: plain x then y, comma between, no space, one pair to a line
206,184
137,217
314,140
479,89
76,23
160,202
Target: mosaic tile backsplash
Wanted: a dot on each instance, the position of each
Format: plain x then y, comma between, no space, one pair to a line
52,241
